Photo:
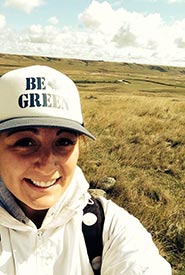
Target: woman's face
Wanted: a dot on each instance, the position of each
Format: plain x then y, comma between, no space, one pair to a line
37,164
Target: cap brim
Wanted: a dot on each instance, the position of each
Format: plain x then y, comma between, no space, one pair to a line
44,122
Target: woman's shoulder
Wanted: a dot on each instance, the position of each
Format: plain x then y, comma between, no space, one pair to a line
126,229
116,214
128,242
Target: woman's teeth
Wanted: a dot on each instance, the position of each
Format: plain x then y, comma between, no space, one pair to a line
43,184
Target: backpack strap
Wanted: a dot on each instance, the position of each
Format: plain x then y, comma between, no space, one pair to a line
92,227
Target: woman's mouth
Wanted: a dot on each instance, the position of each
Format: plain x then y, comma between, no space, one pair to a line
42,184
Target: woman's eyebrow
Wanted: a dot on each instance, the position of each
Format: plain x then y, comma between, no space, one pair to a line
60,131
14,131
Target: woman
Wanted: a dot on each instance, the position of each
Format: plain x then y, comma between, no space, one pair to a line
43,192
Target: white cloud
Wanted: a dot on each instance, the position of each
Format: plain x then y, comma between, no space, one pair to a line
123,27
53,20
24,5
176,1
180,42
2,21
101,17
41,34
135,36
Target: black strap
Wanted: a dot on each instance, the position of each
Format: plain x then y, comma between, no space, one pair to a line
93,233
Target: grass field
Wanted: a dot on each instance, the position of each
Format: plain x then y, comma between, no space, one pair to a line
137,113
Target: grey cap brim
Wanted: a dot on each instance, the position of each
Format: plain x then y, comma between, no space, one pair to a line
44,122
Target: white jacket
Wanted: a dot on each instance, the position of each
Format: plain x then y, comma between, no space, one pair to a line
58,247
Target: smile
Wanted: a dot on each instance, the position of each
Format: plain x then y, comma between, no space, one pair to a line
42,184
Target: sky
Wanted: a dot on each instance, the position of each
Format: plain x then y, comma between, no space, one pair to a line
134,31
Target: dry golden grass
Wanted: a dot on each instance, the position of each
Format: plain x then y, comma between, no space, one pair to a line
140,142
139,123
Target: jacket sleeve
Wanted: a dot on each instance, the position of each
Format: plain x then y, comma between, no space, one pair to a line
128,247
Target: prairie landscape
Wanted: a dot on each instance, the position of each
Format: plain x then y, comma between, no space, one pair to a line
137,113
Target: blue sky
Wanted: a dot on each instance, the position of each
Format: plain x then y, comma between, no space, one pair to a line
140,31
67,11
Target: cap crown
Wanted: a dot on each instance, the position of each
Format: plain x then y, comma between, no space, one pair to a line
39,91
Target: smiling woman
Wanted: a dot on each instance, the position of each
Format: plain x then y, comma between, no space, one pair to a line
43,192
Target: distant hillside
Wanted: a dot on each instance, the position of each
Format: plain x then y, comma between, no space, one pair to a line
140,78
74,66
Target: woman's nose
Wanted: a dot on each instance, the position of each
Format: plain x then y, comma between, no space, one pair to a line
47,161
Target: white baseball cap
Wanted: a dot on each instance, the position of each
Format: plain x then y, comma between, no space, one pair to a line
40,96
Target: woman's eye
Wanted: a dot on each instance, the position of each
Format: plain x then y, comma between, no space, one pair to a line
64,142
24,142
